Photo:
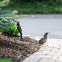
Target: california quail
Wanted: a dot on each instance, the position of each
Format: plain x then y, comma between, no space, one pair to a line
44,39
19,30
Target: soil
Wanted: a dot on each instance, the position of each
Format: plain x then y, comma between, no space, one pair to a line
13,48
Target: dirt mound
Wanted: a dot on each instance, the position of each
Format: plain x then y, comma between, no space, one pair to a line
15,49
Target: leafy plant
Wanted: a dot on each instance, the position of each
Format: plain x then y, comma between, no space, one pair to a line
13,30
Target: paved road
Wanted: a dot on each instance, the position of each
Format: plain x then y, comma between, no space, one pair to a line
51,51
37,25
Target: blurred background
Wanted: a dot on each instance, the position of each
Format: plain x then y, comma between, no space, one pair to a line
35,16
35,6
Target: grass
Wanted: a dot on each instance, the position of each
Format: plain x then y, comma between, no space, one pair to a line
5,60
36,8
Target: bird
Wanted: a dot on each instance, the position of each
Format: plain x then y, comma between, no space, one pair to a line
44,39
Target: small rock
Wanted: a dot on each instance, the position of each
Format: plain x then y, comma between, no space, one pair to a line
19,56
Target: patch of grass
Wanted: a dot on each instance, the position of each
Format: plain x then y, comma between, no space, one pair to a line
5,60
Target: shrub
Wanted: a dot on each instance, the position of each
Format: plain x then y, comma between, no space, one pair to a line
7,22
